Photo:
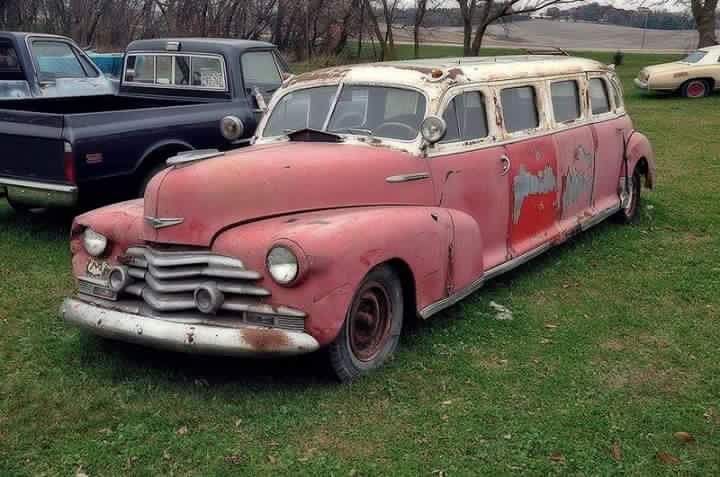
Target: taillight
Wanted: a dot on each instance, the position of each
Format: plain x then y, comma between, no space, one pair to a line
69,164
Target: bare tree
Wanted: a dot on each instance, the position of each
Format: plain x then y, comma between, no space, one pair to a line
478,15
388,9
704,12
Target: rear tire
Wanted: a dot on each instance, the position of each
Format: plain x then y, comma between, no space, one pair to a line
20,209
630,212
371,331
696,88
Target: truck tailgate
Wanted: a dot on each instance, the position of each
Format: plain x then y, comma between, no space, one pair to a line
31,145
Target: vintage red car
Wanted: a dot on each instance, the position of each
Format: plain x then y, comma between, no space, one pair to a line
373,193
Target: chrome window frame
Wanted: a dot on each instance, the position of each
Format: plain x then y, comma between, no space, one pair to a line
154,84
73,47
261,127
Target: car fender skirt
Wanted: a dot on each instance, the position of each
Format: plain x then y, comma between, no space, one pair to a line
188,338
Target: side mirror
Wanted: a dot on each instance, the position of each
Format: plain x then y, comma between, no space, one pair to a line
433,129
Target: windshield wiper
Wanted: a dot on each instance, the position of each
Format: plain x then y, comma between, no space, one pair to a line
366,132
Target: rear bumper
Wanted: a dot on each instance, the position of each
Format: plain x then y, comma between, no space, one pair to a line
38,194
187,338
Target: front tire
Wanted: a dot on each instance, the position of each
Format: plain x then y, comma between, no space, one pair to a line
372,326
696,88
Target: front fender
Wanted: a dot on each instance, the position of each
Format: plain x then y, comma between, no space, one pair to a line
639,149
340,247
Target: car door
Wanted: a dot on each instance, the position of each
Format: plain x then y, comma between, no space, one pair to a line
533,167
575,148
472,171
608,129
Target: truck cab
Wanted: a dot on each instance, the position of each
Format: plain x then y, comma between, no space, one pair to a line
36,65
175,96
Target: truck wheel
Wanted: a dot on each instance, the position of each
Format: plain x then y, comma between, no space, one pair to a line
697,88
152,172
629,213
372,326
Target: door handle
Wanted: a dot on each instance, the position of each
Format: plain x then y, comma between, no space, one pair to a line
505,164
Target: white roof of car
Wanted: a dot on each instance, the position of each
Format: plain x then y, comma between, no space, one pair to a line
448,71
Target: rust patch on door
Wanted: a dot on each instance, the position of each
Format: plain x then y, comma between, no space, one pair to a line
526,184
578,180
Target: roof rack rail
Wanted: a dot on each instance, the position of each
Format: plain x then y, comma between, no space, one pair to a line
547,50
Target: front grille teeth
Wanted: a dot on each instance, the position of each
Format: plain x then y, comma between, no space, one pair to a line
166,282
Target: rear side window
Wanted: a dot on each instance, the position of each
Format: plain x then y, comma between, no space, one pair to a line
9,64
565,100
466,117
519,108
56,59
599,101
260,71
194,71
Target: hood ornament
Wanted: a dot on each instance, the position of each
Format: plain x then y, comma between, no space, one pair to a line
185,157
162,222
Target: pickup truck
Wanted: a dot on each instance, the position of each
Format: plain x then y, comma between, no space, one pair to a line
175,95
38,65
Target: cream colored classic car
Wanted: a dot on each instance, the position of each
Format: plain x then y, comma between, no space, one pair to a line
695,76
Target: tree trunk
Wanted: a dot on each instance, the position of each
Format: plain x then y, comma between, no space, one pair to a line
467,36
704,13
477,41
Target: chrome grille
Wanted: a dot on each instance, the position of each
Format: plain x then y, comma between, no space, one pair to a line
166,280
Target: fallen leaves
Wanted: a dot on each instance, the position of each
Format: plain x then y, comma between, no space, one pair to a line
557,457
684,437
616,451
182,431
234,459
667,458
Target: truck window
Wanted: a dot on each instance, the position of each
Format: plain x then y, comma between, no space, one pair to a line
599,101
519,108
466,117
260,71
198,71
56,59
9,64
565,100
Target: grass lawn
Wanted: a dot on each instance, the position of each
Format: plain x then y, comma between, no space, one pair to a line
613,348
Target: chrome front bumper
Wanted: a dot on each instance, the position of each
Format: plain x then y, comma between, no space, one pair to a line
188,338
38,194
640,83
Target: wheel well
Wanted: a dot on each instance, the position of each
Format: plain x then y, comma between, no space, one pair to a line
709,81
407,280
157,157
643,168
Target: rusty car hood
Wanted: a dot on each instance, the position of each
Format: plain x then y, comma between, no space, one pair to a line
191,203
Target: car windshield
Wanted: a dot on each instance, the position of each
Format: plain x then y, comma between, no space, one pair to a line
694,57
378,111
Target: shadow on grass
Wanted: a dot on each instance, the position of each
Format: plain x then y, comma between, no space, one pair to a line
41,223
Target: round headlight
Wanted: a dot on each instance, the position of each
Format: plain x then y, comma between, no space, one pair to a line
282,265
433,129
94,243
231,127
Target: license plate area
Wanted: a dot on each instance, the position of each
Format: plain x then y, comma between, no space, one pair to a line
96,287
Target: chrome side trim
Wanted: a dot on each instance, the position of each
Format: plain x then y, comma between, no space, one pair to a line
449,301
246,340
414,176
596,219
192,156
44,186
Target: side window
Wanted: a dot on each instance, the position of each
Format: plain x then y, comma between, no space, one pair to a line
9,64
56,59
617,94
466,117
207,72
140,69
260,70
599,101
565,100
519,108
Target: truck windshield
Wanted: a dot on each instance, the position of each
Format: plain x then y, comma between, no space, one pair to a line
379,111
694,57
